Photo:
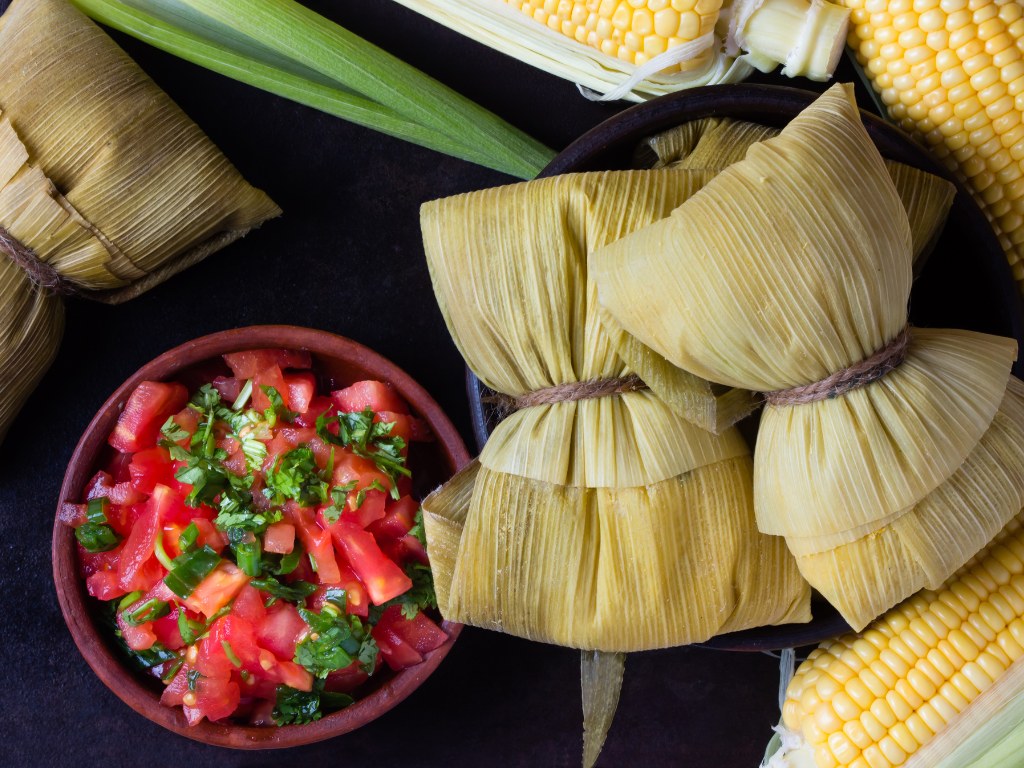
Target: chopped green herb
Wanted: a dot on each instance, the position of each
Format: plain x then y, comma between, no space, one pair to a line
131,597
230,653
339,497
193,679
335,640
243,396
417,531
295,475
358,432
96,510
190,569
151,610
172,432
189,629
295,592
97,537
247,549
277,408
297,707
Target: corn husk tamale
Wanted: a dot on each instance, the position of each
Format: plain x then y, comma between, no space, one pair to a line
608,523
787,269
103,180
712,144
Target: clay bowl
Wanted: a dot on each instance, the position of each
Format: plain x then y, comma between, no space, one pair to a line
965,283
338,361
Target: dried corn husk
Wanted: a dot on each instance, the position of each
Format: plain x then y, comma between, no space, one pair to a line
106,181
592,523
788,267
712,144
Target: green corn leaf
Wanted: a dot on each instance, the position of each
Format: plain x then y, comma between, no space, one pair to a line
289,50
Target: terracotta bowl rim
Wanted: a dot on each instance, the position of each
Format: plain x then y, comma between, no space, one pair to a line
75,603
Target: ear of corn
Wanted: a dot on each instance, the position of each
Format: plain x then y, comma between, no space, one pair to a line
952,74
637,49
934,683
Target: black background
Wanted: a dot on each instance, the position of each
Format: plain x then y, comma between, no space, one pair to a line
345,257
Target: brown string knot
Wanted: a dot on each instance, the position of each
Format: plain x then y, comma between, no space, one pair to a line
39,272
566,393
864,372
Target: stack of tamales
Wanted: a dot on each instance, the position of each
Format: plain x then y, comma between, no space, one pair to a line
887,456
595,518
106,187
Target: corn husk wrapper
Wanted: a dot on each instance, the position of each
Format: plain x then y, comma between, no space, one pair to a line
101,176
712,144
790,266
606,524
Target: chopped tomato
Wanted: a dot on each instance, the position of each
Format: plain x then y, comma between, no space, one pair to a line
281,630
318,406
291,674
138,638
135,566
301,387
215,699
228,388
218,589
167,632
407,427
399,518
188,419
375,395
125,493
351,468
346,680
398,653
419,632
357,601
149,468
174,693
148,407
99,486
245,365
279,538
269,377
73,514
315,540
104,585
249,605
382,578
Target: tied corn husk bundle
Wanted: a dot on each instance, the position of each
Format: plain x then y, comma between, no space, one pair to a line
612,57
712,144
792,269
106,187
605,523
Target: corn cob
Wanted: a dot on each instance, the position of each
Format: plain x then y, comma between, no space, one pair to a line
951,73
936,662
637,49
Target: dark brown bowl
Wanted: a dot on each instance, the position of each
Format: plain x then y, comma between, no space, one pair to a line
339,361
966,282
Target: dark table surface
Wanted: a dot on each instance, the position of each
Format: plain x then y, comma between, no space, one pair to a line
345,257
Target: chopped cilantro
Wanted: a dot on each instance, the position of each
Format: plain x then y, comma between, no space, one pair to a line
295,707
335,640
417,531
295,592
295,475
97,537
358,432
277,409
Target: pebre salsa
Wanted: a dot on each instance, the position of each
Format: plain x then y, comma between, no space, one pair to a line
255,542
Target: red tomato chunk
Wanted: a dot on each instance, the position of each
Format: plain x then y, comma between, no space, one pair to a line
256,557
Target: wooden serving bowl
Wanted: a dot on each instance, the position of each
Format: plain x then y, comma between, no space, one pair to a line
965,282
337,361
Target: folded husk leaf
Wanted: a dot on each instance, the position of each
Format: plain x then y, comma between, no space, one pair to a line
581,513
101,176
622,569
790,266
714,143
926,543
